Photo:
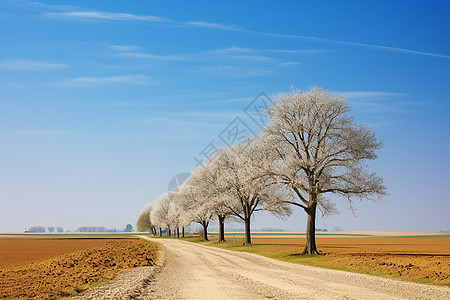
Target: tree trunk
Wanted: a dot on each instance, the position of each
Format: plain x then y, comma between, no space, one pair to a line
205,230
221,228
178,232
182,232
248,239
310,247
168,232
160,232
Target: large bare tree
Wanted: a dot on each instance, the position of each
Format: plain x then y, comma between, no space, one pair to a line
313,146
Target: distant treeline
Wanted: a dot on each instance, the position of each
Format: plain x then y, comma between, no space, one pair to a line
50,229
96,229
41,229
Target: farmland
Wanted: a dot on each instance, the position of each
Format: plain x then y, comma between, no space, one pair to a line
51,267
48,267
204,272
408,256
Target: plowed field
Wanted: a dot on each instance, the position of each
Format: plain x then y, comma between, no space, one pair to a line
40,268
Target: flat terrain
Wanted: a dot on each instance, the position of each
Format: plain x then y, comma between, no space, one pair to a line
19,251
425,259
45,268
194,271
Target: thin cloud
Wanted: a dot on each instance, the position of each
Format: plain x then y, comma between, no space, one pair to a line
209,25
394,49
236,71
365,94
30,65
233,50
134,52
289,63
126,79
125,48
297,51
151,56
41,6
239,53
374,102
249,55
364,45
99,15
318,39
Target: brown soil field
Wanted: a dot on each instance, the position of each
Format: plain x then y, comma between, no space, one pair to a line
17,251
49,268
424,259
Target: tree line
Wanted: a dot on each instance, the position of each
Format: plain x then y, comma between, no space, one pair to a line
51,229
310,149
41,229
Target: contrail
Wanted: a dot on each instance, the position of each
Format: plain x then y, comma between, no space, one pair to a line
373,46
73,13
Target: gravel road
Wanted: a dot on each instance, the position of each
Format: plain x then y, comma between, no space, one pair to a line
192,271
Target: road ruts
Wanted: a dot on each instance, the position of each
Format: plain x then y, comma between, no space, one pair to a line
193,271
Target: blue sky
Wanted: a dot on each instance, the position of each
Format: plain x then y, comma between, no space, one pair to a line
103,102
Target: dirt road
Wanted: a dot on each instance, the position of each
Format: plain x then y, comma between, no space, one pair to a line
193,271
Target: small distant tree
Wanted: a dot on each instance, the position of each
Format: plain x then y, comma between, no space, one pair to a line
59,229
129,228
51,229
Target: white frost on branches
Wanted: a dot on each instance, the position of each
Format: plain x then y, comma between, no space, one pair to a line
310,149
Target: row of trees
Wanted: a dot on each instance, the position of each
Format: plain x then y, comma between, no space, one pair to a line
97,229
311,148
51,229
40,229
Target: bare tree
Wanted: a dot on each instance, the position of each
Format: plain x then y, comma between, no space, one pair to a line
246,192
179,217
144,223
314,147
51,229
195,201
159,214
59,229
207,181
